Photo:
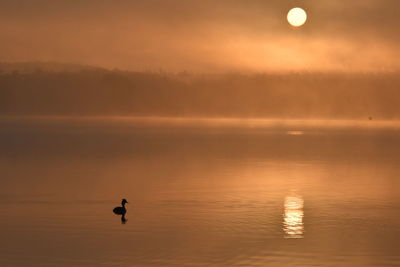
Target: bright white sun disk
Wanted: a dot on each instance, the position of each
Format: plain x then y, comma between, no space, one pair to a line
297,17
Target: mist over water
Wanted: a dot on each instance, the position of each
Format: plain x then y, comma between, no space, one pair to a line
201,192
72,90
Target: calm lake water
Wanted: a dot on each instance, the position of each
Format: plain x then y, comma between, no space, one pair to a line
201,193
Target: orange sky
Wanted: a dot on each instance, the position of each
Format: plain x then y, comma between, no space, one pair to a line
203,35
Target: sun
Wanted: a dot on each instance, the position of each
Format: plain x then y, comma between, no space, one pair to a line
297,17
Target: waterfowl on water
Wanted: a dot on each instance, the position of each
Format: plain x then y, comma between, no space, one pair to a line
121,210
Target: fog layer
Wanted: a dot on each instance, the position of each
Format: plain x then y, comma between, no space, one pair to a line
204,36
89,91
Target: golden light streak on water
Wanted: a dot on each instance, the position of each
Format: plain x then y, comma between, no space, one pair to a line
295,132
293,226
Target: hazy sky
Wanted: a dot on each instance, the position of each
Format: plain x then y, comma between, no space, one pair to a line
203,35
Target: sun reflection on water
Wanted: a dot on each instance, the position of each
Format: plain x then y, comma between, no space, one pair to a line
294,132
293,225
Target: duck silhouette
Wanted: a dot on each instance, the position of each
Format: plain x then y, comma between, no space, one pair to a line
121,210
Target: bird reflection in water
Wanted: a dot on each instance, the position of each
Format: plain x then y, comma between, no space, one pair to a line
123,219
293,226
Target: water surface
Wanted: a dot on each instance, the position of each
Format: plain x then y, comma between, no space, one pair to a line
200,194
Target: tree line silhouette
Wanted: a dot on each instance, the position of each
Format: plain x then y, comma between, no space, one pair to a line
278,95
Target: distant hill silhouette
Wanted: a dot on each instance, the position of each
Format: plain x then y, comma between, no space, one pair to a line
36,66
58,89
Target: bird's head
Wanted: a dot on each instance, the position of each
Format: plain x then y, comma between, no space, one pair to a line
124,201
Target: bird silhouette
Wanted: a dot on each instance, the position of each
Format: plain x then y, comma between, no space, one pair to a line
121,210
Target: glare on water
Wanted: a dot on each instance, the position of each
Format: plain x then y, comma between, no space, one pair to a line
295,132
293,226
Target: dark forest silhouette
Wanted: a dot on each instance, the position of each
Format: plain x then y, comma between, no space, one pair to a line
94,91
